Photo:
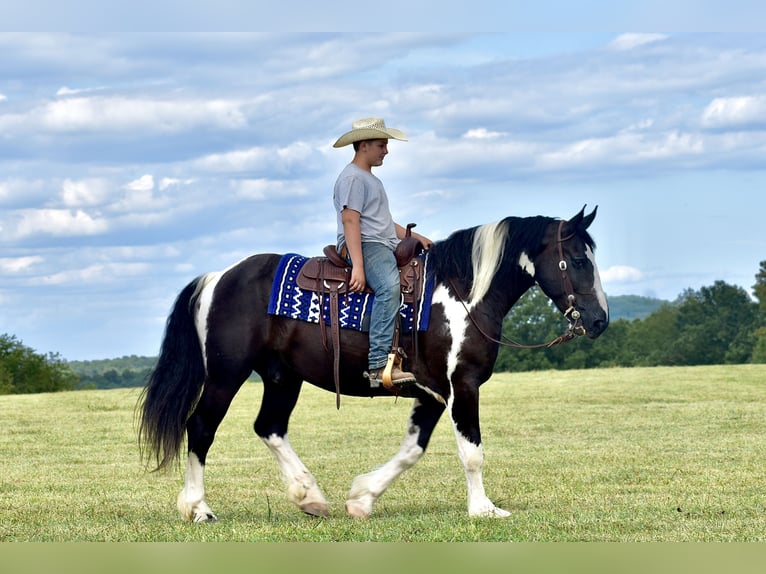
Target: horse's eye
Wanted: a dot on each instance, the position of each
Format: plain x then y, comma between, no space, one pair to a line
579,263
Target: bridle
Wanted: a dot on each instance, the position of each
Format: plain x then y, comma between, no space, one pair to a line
571,314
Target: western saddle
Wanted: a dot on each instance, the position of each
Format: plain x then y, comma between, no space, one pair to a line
328,275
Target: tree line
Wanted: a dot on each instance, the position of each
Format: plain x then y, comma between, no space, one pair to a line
717,324
22,370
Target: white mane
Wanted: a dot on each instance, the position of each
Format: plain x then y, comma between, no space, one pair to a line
486,255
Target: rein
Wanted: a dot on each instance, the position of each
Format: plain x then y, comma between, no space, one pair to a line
572,315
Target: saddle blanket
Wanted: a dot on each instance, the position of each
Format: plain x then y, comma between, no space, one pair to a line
289,300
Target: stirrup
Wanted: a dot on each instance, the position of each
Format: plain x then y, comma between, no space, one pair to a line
394,360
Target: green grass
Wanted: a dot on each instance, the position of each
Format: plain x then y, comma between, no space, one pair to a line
655,454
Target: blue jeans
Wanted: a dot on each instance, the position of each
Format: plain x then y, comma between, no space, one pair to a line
382,276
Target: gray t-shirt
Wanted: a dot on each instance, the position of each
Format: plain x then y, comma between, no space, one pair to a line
361,191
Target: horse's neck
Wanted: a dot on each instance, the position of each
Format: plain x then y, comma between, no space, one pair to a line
507,288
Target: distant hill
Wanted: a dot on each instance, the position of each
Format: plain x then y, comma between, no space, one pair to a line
633,306
131,371
113,373
101,366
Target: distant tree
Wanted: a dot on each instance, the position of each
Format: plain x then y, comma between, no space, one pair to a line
651,341
716,325
6,381
760,287
609,350
534,320
24,371
759,346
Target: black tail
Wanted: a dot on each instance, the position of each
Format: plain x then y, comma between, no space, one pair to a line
174,386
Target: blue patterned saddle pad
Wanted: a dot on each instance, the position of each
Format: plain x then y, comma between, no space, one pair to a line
289,300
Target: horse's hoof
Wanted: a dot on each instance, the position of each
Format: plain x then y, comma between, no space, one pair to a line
356,510
205,517
316,509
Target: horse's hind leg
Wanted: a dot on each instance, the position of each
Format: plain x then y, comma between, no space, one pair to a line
200,429
367,488
279,397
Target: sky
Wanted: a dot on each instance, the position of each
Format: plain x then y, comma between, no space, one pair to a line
130,163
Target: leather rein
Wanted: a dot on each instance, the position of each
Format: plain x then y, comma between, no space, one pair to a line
572,315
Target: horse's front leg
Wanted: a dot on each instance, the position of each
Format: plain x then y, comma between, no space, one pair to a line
302,487
465,422
367,488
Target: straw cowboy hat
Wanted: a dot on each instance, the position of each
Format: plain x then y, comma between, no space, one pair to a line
369,129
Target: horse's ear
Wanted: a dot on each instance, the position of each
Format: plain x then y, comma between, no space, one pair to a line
580,221
588,219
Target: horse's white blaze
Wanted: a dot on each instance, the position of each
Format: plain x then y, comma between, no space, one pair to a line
191,499
302,488
367,488
526,264
597,281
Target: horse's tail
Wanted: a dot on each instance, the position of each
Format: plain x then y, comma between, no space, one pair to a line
174,385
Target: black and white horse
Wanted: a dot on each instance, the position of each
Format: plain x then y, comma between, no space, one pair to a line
219,331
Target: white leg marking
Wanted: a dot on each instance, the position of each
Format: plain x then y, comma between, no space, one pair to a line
191,499
472,457
367,488
302,488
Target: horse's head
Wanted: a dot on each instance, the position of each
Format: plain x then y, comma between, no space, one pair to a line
566,272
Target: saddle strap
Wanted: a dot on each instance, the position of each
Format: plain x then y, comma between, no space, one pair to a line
335,332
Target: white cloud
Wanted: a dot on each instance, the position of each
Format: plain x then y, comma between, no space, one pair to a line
167,182
143,183
482,134
98,273
256,158
735,111
100,114
626,147
3,97
64,91
58,222
630,41
140,198
621,274
84,193
264,188
17,264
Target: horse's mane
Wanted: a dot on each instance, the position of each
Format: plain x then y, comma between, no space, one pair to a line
476,255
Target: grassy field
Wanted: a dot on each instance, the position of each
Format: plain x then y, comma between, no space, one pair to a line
659,454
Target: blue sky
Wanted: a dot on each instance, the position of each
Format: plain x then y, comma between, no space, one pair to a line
130,163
